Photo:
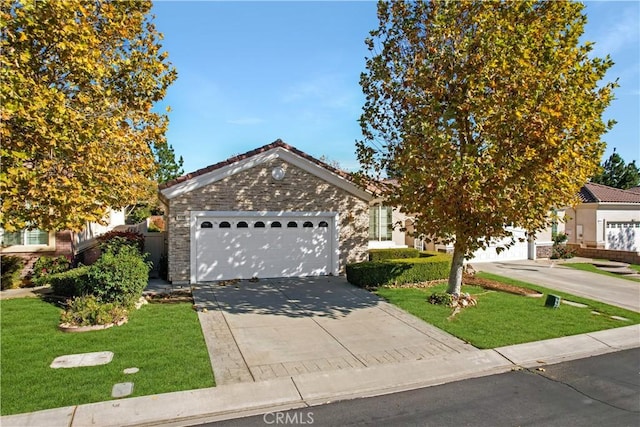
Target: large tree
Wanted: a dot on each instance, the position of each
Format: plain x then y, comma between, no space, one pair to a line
79,81
616,173
489,113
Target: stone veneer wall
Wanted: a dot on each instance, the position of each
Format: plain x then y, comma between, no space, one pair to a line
255,190
544,251
610,254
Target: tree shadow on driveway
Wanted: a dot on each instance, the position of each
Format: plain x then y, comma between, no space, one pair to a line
324,296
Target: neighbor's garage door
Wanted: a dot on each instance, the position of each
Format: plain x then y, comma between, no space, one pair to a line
518,251
623,236
246,247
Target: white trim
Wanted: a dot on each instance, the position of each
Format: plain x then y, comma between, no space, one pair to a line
333,217
257,159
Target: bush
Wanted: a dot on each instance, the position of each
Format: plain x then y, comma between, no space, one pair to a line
114,240
88,311
69,283
46,265
396,253
431,266
560,249
11,267
119,277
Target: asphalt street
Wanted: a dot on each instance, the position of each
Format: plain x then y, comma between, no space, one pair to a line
601,390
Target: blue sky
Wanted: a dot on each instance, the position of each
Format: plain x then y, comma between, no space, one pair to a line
252,72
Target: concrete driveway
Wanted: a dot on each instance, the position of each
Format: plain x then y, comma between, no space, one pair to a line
619,292
283,327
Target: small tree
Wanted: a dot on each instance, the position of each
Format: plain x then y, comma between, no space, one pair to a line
488,113
615,173
168,167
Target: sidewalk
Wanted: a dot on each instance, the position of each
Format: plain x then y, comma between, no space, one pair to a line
245,399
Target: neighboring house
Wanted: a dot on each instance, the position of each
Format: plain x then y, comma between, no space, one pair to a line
606,218
271,212
31,244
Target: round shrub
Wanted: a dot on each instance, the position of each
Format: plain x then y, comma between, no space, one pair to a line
11,267
119,277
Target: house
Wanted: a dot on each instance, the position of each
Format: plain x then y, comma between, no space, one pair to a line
606,218
271,212
32,244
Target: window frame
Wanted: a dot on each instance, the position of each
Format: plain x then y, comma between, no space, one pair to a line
50,246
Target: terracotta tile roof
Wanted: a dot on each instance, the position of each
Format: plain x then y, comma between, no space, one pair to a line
634,189
598,193
275,144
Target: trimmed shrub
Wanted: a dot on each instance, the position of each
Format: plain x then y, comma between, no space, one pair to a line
69,283
395,253
114,240
119,277
88,311
46,265
11,267
431,266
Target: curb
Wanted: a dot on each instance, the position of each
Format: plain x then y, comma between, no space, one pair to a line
254,398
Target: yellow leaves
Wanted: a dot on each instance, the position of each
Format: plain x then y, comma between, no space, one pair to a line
65,154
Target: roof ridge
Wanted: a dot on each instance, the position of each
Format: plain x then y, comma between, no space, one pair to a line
278,143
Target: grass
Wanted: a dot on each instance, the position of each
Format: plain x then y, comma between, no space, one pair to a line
593,269
635,267
502,319
163,340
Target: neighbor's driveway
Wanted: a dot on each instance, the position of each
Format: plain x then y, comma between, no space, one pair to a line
283,327
619,292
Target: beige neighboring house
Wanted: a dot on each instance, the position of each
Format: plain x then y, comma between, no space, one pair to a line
271,212
31,244
606,218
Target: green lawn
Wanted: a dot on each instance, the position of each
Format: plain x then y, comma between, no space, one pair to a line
163,340
502,319
593,269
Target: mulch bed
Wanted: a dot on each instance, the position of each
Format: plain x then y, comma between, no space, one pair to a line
498,286
469,279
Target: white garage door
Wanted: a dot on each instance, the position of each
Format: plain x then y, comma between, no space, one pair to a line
518,251
247,246
623,236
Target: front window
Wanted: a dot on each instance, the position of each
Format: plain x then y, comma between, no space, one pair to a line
380,223
25,238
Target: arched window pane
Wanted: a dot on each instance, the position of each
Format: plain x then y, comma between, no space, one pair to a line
225,224
242,224
258,224
276,224
206,224
292,224
323,224
307,224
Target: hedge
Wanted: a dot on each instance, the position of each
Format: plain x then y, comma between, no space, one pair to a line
116,278
430,266
69,283
396,253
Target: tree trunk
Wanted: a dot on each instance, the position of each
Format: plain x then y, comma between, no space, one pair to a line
455,275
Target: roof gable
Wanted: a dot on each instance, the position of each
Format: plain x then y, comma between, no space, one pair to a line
598,193
250,159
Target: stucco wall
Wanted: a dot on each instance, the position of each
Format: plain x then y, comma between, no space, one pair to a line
255,190
593,218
